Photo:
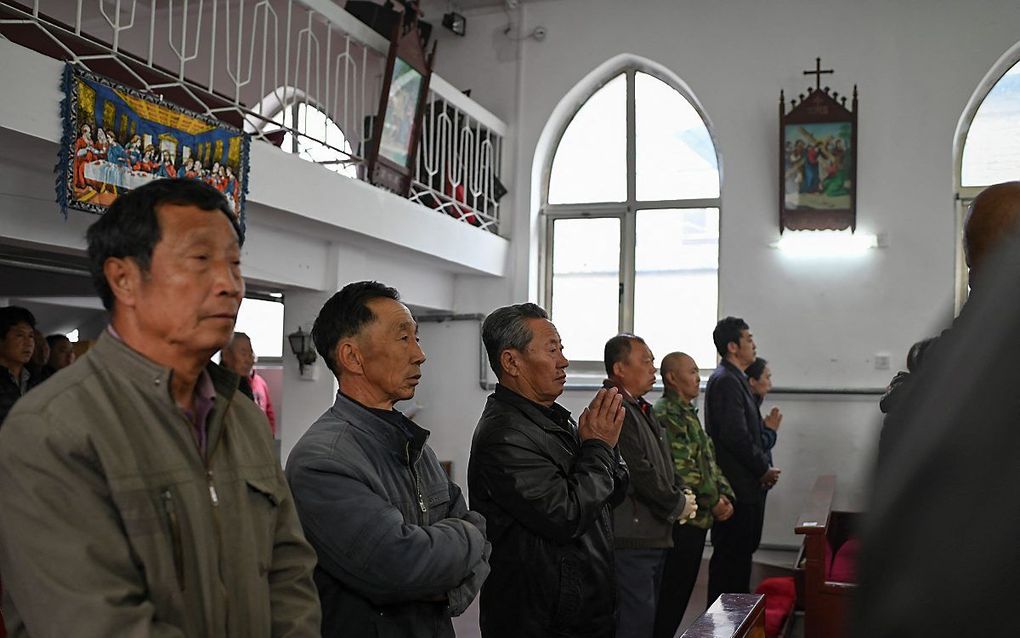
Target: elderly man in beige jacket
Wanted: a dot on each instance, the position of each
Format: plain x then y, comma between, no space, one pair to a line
139,491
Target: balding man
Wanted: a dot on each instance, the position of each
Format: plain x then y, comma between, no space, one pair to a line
694,459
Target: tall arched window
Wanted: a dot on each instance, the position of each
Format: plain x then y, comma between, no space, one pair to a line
313,125
632,222
990,146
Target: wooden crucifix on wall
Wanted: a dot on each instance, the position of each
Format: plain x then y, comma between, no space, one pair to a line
818,159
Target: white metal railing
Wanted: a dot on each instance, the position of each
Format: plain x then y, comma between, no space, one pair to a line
245,61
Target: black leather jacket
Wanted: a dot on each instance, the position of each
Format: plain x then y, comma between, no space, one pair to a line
547,499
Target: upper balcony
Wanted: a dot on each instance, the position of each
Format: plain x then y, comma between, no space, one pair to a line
303,75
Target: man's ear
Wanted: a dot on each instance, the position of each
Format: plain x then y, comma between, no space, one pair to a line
732,347
508,362
349,357
124,277
616,370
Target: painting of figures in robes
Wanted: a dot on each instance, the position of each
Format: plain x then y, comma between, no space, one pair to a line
818,161
117,138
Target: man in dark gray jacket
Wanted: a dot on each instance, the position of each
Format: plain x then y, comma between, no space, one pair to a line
643,522
399,552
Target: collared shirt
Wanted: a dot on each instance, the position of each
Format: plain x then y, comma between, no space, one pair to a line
13,388
204,399
693,455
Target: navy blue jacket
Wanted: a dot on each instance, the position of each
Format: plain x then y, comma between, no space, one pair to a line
733,421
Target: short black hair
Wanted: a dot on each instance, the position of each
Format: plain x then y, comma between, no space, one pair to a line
11,316
756,369
51,340
507,328
618,349
345,314
727,331
130,227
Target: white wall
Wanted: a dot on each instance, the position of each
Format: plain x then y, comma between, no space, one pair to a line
820,322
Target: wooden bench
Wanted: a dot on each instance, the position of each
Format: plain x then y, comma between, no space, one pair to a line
825,601
731,616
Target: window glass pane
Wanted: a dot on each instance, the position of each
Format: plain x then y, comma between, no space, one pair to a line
315,123
590,164
262,321
991,153
676,281
586,284
675,154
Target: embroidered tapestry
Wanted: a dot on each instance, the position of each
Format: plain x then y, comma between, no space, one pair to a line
117,138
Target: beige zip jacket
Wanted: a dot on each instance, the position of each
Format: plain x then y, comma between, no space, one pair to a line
113,524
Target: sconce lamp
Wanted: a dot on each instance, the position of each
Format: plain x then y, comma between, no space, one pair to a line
455,22
303,348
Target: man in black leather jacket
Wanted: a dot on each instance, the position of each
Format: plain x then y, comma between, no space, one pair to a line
546,487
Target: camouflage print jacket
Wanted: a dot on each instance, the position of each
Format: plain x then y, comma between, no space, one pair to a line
693,455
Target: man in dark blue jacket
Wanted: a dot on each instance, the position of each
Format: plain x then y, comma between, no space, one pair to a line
399,552
734,423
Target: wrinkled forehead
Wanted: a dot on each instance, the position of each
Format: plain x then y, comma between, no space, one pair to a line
391,315
542,331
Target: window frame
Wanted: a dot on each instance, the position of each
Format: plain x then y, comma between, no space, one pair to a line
964,196
297,131
626,211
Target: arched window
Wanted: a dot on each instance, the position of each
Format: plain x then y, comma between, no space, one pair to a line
989,138
318,137
631,213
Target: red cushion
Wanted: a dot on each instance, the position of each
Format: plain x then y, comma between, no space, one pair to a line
780,596
844,564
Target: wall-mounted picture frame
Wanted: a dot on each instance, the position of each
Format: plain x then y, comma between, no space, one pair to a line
393,152
117,138
818,161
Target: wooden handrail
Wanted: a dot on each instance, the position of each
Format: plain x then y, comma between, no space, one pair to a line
731,616
815,516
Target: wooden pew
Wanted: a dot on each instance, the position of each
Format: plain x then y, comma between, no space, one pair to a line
825,601
731,616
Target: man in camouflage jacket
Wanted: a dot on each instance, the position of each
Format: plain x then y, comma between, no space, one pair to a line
694,459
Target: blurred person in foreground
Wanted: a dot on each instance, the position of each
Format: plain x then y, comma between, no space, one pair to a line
399,552
694,458
926,567
547,485
140,492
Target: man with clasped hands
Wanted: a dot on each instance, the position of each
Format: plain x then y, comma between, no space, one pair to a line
546,485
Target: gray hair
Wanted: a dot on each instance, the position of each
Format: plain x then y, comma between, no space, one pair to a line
507,328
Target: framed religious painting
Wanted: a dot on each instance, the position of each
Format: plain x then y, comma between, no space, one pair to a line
117,138
818,160
405,89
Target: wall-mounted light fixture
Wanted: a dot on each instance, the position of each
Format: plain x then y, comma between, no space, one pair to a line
455,22
826,243
303,348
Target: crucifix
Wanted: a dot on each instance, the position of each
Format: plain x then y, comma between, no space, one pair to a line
818,72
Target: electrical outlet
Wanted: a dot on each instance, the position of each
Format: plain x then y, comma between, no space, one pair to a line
881,361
